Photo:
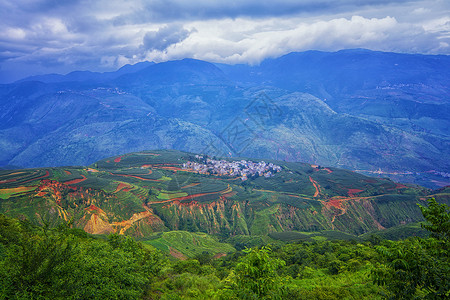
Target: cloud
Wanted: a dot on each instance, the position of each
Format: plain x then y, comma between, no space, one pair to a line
164,37
181,10
247,41
60,36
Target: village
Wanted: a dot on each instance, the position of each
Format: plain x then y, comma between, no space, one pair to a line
243,168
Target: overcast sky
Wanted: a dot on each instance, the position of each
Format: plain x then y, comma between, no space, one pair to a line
59,36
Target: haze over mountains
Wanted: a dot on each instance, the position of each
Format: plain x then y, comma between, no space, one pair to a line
355,109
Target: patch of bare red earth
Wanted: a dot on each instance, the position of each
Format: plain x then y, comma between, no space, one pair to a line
126,224
97,223
7,181
177,254
123,186
219,255
135,176
190,185
400,186
328,170
75,181
335,202
225,193
47,173
352,192
316,186
118,159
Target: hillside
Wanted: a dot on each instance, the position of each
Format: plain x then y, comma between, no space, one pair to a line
145,192
380,113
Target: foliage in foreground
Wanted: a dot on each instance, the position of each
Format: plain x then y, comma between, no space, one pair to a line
65,263
419,267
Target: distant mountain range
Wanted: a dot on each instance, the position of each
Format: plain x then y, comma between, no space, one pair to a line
362,110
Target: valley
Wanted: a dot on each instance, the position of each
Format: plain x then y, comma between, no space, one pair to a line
390,120
145,193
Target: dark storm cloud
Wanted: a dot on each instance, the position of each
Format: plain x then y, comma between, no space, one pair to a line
177,10
164,37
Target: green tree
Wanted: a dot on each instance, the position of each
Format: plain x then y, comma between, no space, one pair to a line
62,263
438,217
255,276
418,267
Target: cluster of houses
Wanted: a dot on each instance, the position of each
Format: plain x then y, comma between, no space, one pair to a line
243,168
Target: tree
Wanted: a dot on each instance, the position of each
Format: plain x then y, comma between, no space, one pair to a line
61,263
418,266
438,217
255,276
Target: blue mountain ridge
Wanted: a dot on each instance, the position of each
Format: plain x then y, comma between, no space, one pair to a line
357,109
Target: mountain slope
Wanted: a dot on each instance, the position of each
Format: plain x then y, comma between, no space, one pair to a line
376,112
144,192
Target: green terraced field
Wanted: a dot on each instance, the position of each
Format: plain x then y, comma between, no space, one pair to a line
190,244
122,190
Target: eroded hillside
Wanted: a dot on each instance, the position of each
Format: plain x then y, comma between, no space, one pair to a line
144,192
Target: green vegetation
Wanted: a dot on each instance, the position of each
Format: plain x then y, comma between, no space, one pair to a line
306,233
67,263
6,193
419,267
189,244
165,195
122,189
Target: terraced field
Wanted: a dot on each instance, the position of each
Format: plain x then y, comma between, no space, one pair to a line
145,192
183,244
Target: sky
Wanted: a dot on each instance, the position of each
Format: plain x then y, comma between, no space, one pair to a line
60,36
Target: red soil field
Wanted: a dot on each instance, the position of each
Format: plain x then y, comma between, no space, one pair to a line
92,207
7,180
76,180
67,172
336,202
135,176
118,159
15,173
400,186
219,255
47,173
316,186
328,170
123,186
190,197
177,254
20,189
190,185
352,192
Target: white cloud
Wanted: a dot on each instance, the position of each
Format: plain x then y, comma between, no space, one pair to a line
250,41
105,34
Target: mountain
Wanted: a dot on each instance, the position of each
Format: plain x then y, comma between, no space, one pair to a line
144,192
80,76
410,91
380,113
